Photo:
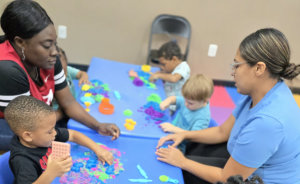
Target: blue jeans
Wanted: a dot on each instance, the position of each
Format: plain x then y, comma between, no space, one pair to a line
5,135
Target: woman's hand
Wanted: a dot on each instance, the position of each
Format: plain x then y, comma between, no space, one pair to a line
104,156
109,129
171,155
176,138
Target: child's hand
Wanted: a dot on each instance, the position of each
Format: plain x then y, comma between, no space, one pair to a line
104,156
154,77
59,166
83,78
164,105
168,127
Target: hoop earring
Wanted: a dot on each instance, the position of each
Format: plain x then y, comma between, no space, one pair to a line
23,54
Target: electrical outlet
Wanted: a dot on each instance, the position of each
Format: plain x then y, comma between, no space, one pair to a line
212,50
62,31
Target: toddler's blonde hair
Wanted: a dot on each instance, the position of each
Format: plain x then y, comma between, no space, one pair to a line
198,88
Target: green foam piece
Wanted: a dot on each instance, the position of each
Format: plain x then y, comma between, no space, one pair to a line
127,112
154,98
98,98
163,178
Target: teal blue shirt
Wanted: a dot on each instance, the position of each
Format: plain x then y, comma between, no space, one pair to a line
72,72
190,119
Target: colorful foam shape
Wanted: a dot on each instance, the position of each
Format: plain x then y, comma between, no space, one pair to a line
235,96
220,114
297,98
221,98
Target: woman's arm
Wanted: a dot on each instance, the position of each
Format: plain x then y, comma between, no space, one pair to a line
173,156
212,135
75,111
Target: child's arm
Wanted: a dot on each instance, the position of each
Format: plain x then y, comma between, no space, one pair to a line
167,102
168,127
55,168
166,77
82,77
102,154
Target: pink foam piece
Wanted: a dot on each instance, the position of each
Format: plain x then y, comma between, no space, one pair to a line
221,98
220,114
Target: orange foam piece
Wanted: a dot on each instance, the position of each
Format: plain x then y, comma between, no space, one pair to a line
60,149
105,107
221,98
132,73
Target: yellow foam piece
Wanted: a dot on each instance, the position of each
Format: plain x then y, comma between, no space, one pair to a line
130,121
146,68
85,87
297,98
88,94
129,126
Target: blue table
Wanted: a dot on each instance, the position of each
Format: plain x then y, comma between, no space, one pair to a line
115,74
134,151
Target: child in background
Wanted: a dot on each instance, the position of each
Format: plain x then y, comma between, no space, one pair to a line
174,72
70,73
33,122
193,107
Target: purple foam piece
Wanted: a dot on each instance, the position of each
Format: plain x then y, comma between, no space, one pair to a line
138,82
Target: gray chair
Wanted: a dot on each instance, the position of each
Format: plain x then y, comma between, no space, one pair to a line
172,26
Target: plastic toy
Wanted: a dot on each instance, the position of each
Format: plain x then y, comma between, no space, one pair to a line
143,173
164,178
117,95
132,73
60,149
146,68
105,107
85,87
129,124
127,112
138,82
87,104
140,180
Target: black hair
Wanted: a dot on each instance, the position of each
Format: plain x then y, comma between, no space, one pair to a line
270,46
237,179
23,18
24,113
169,49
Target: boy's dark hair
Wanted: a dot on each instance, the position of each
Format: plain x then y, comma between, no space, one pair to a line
59,49
23,113
23,18
168,50
237,179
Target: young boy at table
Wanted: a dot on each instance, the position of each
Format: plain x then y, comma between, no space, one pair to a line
71,73
174,72
193,107
33,122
